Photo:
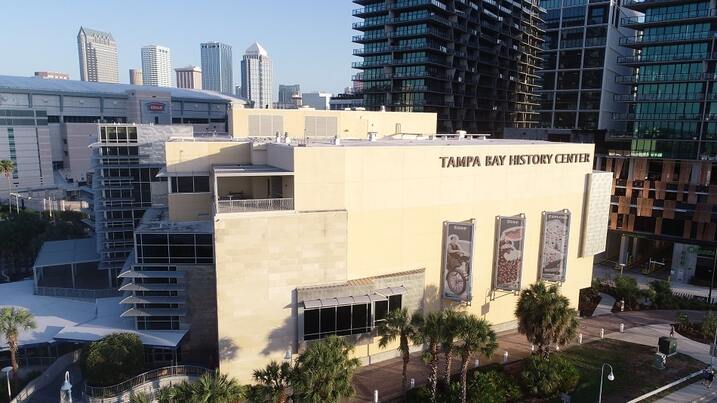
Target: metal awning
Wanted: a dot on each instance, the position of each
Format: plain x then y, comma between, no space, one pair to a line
136,312
153,300
249,170
151,274
378,295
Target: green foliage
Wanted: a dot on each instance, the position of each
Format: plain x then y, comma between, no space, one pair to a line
398,325
545,317
273,382
627,289
324,371
475,337
683,321
430,333
216,388
492,387
140,397
112,359
22,235
709,325
549,376
662,296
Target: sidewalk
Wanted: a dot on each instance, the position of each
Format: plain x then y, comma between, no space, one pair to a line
386,376
601,271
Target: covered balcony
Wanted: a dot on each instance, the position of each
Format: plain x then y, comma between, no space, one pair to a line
252,188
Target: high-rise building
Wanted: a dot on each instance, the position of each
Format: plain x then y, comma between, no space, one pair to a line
98,56
135,77
664,165
256,76
287,94
156,66
189,77
217,72
471,61
316,100
580,65
52,75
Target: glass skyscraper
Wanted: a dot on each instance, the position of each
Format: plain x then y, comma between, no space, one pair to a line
217,73
257,76
473,62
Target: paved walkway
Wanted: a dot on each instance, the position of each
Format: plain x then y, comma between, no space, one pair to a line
51,392
607,302
386,376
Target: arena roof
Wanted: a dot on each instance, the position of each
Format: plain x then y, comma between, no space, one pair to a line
41,85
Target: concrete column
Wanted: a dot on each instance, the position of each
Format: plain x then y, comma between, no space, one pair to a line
624,246
72,272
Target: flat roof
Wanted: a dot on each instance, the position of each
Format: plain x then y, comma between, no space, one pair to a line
71,319
54,253
249,170
426,142
36,84
156,219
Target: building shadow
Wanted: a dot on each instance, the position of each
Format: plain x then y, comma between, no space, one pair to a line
228,350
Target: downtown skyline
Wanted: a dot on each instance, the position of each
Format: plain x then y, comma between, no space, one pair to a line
325,31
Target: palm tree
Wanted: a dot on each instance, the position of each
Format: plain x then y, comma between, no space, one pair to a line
274,381
216,388
12,321
324,371
398,325
429,333
545,317
7,167
141,397
451,319
475,336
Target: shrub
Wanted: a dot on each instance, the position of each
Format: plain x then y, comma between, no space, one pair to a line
112,359
549,377
709,325
683,321
626,289
492,387
662,296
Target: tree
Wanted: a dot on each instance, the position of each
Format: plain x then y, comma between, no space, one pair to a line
141,397
451,321
627,289
399,325
545,317
112,359
274,381
475,336
12,322
214,387
429,333
662,296
324,371
7,167
709,326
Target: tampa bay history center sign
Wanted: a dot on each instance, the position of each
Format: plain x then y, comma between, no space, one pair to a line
514,159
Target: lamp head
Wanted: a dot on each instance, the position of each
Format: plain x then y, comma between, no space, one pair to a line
610,376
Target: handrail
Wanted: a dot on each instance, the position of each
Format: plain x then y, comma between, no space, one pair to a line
149,376
253,205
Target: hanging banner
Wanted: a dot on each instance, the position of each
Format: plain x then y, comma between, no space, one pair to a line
554,245
510,242
458,260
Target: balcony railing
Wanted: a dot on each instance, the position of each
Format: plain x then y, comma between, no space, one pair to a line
413,3
655,18
658,97
150,376
649,78
678,37
254,205
664,58
656,116
375,8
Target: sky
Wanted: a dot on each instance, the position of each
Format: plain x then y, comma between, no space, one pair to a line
309,41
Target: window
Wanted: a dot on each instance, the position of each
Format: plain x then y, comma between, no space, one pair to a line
341,321
189,184
597,15
382,308
174,248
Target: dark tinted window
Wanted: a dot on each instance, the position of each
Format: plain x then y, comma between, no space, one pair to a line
328,321
311,324
343,320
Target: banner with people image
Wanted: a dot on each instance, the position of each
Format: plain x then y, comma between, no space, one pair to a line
458,260
554,245
509,244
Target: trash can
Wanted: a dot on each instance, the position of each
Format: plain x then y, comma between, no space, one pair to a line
667,345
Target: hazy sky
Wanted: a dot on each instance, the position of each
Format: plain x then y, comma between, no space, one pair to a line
309,41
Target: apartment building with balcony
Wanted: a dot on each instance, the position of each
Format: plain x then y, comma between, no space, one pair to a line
473,62
664,197
579,68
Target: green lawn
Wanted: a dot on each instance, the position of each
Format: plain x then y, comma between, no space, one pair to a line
634,373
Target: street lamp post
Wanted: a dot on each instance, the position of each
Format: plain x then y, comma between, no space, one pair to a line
7,371
712,280
610,377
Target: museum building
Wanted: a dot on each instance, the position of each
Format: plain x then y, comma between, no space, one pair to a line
325,236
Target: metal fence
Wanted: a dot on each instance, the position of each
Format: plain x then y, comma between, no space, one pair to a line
254,205
149,376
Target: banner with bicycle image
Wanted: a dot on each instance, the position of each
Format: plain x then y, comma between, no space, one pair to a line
509,245
554,245
458,260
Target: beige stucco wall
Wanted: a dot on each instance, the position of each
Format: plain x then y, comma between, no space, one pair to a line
349,124
396,199
260,260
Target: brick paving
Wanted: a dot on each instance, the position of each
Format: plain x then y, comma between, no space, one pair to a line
386,375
